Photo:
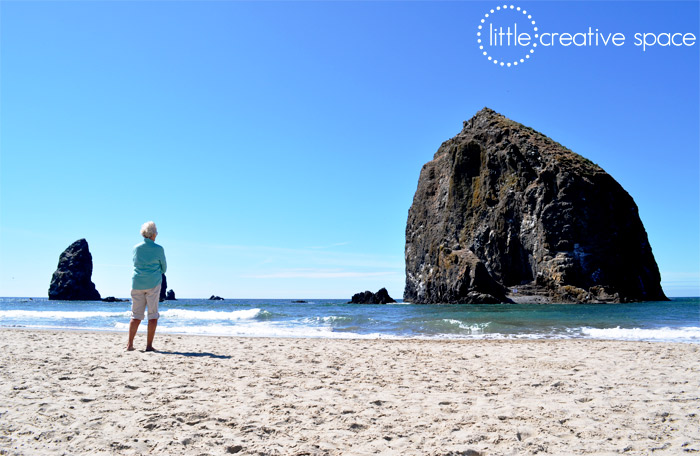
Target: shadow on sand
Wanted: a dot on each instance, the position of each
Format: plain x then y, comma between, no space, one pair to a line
195,354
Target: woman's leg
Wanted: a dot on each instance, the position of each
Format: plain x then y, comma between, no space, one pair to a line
152,297
138,307
151,334
133,327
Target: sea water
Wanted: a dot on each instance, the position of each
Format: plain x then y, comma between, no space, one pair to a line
677,320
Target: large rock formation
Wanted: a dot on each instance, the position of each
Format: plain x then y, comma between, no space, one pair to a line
503,213
367,297
72,280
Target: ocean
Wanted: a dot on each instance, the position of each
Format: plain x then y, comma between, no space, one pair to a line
674,321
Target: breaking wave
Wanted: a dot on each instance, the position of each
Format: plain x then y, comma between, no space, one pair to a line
683,334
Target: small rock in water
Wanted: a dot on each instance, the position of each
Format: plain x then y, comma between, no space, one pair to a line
367,297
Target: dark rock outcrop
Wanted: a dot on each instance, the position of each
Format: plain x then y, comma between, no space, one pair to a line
503,213
163,287
367,297
113,299
72,280
216,298
166,296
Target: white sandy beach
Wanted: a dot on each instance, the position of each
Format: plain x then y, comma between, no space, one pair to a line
64,392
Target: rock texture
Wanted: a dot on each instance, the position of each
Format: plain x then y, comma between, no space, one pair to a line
367,297
163,287
166,296
72,280
215,298
503,213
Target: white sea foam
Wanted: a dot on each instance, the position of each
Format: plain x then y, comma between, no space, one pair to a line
253,328
475,328
183,314
452,321
58,314
683,334
476,335
330,319
258,329
234,315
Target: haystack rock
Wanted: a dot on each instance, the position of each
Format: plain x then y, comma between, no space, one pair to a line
72,280
503,213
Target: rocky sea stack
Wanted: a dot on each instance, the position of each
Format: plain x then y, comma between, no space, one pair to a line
72,280
166,296
503,213
367,297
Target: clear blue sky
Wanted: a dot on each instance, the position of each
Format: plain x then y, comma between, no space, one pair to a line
277,145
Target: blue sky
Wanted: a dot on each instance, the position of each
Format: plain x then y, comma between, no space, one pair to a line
278,145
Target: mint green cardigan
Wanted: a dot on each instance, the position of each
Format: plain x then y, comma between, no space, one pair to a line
149,265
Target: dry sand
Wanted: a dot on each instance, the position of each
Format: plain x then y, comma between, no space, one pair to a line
68,392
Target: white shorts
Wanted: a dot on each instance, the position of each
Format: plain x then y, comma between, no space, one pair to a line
140,299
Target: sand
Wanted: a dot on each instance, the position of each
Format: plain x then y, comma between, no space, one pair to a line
64,392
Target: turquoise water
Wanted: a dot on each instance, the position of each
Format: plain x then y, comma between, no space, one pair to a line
677,320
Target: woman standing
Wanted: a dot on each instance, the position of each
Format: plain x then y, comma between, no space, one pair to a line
149,267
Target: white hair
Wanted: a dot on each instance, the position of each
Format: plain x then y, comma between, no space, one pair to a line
148,229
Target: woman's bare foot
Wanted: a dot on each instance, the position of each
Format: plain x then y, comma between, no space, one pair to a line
130,348
151,349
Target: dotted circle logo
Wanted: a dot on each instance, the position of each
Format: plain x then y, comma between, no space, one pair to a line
493,41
